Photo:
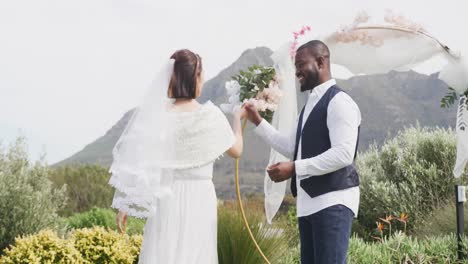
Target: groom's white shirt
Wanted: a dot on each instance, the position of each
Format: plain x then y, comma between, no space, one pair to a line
343,121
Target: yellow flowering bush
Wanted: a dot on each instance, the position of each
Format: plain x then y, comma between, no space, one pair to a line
94,245
98,245
44,247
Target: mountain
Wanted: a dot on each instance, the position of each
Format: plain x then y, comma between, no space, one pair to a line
99,151
388,103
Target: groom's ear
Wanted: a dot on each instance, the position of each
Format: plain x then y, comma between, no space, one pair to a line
320,62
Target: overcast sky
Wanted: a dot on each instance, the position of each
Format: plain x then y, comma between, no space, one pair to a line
70,69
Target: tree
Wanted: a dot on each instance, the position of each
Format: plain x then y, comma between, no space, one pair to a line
28,200
87,187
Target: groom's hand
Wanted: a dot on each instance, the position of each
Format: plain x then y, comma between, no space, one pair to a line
281,171
252,113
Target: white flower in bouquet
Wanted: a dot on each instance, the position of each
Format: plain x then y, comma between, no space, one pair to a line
234,99
233,92
232,87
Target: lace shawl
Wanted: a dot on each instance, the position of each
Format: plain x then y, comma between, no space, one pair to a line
195,139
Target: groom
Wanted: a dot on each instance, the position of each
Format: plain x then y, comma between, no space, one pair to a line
323,148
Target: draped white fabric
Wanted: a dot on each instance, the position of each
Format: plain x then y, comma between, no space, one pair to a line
397,44
284,120
400,51
462,138
401,45
455,74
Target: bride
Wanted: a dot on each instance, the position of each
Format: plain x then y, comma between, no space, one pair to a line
163,165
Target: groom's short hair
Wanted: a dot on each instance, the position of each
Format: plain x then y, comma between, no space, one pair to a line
316,48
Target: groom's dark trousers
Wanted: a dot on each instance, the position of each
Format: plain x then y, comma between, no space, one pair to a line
325,235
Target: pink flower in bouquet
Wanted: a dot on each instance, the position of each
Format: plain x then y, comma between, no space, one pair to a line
273,93
257,86
268,99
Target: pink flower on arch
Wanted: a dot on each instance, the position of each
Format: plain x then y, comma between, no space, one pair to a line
297,34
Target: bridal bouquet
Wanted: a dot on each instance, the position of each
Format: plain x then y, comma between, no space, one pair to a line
259,86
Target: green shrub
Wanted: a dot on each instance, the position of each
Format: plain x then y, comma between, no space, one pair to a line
442,221
397,248
29,203
411,173
104,218
44,247
87,187
291,256
292,226
95,217
403,249
99,246
235,245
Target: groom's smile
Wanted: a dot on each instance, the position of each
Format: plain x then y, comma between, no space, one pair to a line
307,70
300,78
299,70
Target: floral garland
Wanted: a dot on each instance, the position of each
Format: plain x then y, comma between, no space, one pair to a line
351,33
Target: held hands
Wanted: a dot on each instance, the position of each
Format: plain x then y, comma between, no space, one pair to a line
281,171
240,113
121,221
252,113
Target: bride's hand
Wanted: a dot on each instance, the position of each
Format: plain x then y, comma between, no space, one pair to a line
121,221
252,113
241,113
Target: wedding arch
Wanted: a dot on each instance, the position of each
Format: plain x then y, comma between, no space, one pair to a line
364,48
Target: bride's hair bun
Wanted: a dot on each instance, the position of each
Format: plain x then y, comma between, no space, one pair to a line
185,78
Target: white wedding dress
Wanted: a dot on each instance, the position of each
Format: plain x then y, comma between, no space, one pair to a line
185,228
181,225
